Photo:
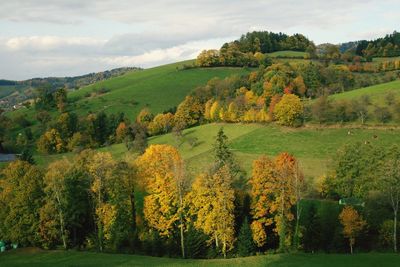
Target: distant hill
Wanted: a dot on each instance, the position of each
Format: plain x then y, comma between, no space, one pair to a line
14,92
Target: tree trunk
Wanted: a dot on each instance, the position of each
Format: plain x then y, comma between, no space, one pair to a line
395,231
61,217
62,230
351,248
133,220
181,227
296,231
224,247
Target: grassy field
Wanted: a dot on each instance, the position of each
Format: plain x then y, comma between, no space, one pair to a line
159,88
288,54
376,92
71,258
314,147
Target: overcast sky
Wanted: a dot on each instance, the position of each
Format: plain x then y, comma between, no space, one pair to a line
41,38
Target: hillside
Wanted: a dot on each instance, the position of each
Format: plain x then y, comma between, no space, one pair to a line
15,92
159,89
377,93
314,147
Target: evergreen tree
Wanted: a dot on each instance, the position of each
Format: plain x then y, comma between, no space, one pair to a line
26,155
222,154
245,245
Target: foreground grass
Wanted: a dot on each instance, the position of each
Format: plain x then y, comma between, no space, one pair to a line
71,258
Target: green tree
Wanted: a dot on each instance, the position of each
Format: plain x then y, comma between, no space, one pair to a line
245,245
388,183
21,197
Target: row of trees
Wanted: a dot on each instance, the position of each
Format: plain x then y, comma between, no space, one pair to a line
68,132
389,65
388,46
325,110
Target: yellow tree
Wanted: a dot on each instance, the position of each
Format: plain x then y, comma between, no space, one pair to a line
352,223
121,132
50,142
161,169
289,110
262,189
285,196
162,123
144,117
56,192
214,111
273,193
100,168
189,111
212,204
232,113
207,109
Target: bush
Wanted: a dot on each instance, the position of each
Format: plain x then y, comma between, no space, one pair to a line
383,114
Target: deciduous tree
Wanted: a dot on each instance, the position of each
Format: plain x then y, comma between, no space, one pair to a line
352,223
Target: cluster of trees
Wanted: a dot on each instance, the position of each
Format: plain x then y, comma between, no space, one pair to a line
147,204
388,65
369,177
388,46
325,110
71,133
251,48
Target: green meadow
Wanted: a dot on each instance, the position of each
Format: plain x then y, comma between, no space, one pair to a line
37,258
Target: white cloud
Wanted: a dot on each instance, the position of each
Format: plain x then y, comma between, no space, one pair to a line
46,43
71,37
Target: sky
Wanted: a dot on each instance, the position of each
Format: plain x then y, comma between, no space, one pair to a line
42,38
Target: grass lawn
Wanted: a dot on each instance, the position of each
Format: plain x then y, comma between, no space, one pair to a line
23,257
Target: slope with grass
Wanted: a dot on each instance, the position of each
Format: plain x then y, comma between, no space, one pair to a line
288,54
158,88
34,258
375,92
314,147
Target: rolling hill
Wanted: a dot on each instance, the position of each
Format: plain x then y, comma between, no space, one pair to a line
159,89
